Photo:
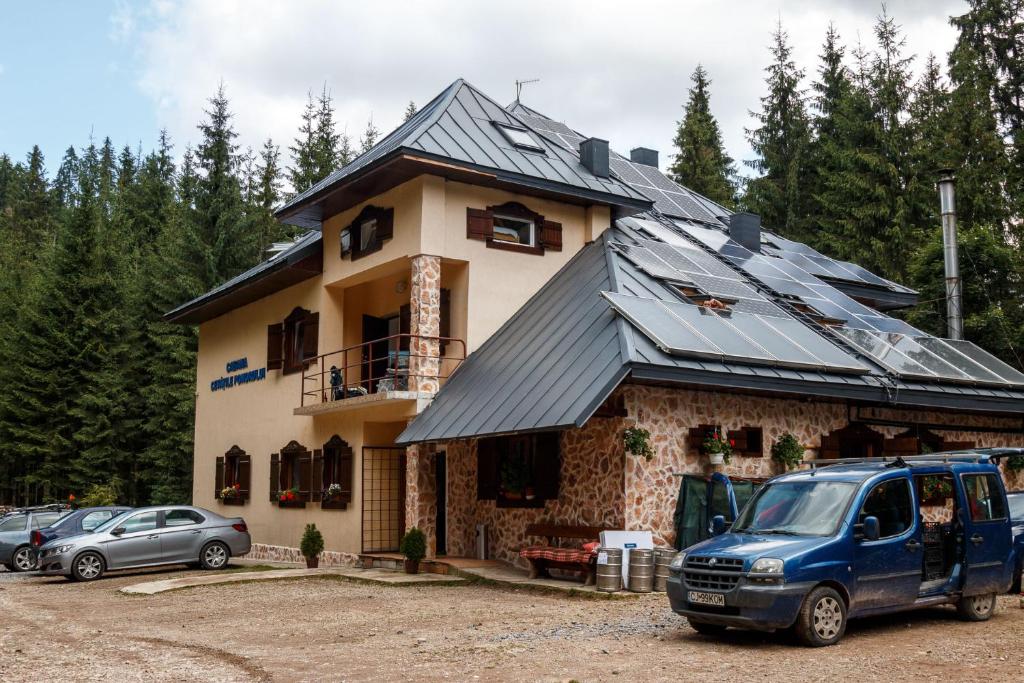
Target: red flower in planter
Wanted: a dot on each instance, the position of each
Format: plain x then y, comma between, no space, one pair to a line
732,442
291,495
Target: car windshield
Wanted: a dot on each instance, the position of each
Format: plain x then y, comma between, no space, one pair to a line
1016,506
62,521
111,523
796,508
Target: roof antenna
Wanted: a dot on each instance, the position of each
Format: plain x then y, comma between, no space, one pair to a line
520,84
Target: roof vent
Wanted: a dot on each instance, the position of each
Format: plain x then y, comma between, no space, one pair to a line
642,155
594,156
745,229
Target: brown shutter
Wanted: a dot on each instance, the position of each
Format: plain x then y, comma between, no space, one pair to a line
275,346
305,464
486,469
244,475
551,235
479,224
310,336
275,476
219,476
445,326
404,326
547,465
346,469
317,476
385,224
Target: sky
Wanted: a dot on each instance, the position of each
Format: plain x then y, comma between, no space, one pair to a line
617,70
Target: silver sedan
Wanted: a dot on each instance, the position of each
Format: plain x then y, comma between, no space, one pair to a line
148,537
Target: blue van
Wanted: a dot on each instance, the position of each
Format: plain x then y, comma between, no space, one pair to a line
814,548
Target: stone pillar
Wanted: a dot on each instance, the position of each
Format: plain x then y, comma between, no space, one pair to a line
425,324
421,493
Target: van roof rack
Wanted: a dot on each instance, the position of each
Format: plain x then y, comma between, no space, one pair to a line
974,455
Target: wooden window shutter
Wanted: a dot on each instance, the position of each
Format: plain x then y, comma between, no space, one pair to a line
219,476
275,476
445,326
386,224
479,224
346,470
305,463
317,476
547,465
486,469
275,346
404,326
310,336
244,476
551,235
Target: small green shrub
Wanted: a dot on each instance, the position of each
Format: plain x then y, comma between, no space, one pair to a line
312,542
1015,463
99,495
414,545
787,451
637,442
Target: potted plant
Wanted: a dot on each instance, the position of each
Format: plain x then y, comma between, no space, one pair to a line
332,492
311,546
1015,463
414,547
717,448
787,451
231,494
290,498
637,442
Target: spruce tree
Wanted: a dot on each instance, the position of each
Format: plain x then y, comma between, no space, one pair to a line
410,111
369,138
701,162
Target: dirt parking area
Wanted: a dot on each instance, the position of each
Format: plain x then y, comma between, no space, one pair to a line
335,630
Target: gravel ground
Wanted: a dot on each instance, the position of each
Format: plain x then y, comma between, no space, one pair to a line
329,629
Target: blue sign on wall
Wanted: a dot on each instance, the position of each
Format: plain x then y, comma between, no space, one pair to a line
240,378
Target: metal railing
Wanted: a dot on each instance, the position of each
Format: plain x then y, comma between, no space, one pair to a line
396,363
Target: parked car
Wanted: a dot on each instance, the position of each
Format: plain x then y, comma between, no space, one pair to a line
75,523
814,548
148,537
16,551
1016,500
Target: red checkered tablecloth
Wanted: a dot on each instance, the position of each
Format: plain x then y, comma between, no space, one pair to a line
543,552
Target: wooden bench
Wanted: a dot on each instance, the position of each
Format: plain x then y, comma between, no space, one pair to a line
551,556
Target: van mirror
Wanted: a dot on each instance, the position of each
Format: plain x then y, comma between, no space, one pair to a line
871,529
717,525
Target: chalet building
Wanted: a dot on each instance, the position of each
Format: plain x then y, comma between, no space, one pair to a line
487,299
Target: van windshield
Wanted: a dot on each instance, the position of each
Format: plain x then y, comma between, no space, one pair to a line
796,508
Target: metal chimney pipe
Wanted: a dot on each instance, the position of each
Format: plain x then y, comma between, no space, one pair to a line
954,297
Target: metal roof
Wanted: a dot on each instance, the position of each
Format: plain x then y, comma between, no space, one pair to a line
459,125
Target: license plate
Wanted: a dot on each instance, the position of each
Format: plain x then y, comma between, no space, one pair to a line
700,598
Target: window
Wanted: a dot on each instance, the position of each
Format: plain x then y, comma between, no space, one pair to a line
233,471
519,471
891,503
182,518
513,227
145,521
17,523
984,497
367,233
332,474
290,475
292,344
94,519
41,520
519,137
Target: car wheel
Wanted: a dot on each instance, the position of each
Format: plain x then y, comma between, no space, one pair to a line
706,629
23,560
822,618
976,607
88,567
214,556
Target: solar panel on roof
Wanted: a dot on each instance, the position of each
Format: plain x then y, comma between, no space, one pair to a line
647,261
651,318
884,353
943,349
981,357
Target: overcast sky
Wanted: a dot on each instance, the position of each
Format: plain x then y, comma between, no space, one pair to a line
618,70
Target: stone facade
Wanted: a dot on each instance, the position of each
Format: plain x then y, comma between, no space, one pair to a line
602,485
421,492
425,324
280,553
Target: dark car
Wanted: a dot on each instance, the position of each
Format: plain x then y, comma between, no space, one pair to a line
78,522
1016,499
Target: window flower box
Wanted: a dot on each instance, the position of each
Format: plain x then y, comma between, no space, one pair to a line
232,495
334,498
290,498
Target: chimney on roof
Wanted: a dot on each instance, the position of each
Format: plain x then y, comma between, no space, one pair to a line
745,229
645,156
594,156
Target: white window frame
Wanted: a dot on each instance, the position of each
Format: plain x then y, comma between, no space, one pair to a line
518,219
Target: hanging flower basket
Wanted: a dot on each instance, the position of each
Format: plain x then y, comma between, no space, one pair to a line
717,448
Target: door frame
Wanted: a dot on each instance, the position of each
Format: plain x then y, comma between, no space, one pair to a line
365,498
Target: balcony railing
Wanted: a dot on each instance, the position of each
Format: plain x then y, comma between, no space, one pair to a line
396,363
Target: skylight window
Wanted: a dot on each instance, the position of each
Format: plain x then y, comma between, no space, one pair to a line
519,137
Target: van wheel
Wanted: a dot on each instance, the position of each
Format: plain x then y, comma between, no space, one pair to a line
822,618
87,567
976,607
214,556
23,559
706,629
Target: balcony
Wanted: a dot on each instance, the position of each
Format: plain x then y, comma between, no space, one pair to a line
401,367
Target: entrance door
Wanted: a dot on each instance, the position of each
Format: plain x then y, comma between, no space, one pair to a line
383,497
441,483
375,354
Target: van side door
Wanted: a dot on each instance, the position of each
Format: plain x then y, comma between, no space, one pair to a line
987,536
888,571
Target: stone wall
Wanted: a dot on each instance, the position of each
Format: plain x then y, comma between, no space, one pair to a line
280,553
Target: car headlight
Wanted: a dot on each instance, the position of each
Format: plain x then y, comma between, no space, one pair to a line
62,549
767,565
677,562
